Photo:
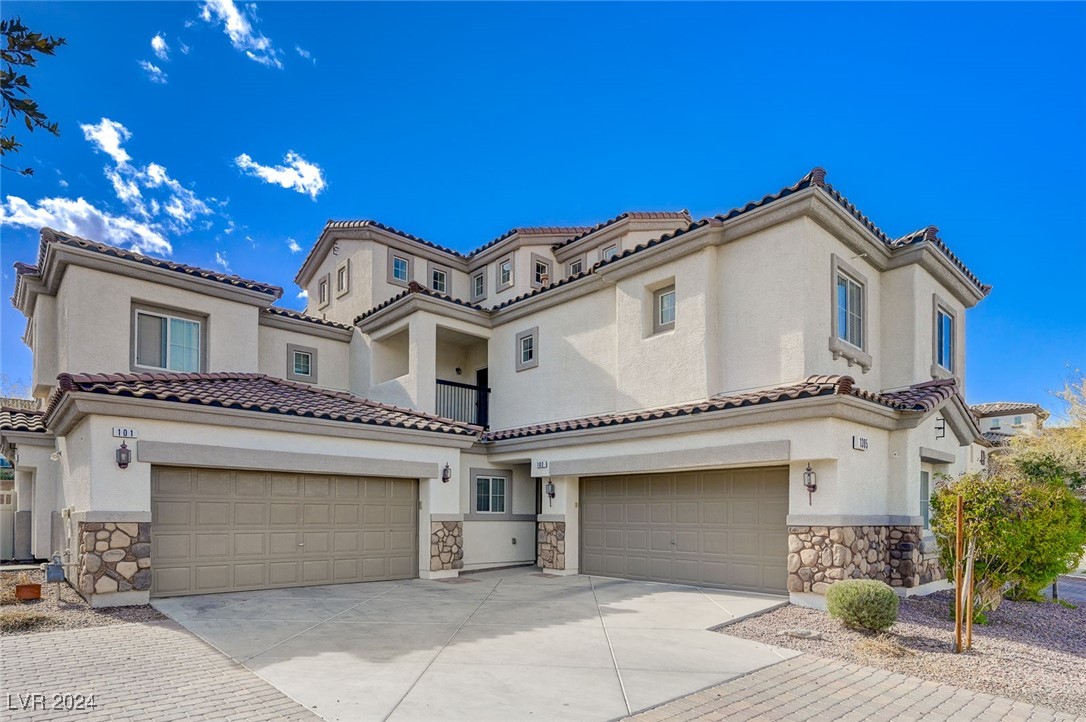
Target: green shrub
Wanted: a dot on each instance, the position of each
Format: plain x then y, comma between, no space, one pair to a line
1026,533
863,604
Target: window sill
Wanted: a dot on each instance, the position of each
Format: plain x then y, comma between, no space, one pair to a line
938,372
852,354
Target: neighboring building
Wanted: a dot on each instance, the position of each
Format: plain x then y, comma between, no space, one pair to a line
1001,420
650,397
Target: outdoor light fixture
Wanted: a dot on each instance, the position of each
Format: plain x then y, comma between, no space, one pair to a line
810,481
446,474
124,455
550,489
55,456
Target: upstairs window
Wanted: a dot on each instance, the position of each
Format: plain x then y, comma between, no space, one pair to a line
995,423
609,253
505,274
322,292
1017,420
576,266
439,281
542,273
490,494
664,309
944,341
527,349
850,310
400,269
478,285
301,363
343,278
167,343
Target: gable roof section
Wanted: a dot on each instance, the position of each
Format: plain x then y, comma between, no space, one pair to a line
930,234
683,215
1001,408
417,288
299,316
922,397
51,237
16,419
254,392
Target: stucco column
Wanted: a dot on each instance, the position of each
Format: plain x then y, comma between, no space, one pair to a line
441,526
558,527
422,364
24,514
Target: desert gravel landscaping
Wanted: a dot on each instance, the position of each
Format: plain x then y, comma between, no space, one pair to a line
1033,652
72,612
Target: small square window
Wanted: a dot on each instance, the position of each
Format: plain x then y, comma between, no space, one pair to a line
439,281
527,349
1017,420
303,363
400,269
664,309
995,423
575,267
609,253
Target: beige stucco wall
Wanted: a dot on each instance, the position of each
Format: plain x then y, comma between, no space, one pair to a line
333,357
1005,423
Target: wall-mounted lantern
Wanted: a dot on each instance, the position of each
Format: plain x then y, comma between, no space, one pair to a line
550,489
446,474
124,455
810,482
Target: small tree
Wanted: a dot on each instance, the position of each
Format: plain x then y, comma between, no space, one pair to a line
18,51
1058,453
1027,533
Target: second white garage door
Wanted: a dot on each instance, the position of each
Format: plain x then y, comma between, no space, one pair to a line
721,528
217,530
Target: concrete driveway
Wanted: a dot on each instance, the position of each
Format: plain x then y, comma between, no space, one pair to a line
502,645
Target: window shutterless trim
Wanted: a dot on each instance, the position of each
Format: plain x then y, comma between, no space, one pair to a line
658,325
519,363
481,272
430,268
324,282
163,312
392,256
291,349
344,269
578,260
839,347
609,247
498,285
474,514
538,259
938,371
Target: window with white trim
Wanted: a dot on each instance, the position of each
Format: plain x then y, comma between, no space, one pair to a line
478,286
167,343
541,271
609,252
490,494
1017,420
343,278
944,342
576,266
439,280
850,310
995,423
322,291
401,269
527,349
505,273
663,309
303,363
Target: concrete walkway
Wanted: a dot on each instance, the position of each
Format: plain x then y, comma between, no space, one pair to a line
825,690
132,671
504,645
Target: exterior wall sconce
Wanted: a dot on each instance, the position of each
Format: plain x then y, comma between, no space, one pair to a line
550,489
810,482
124,456
446,474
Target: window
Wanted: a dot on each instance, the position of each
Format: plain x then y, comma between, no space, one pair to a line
301,363
527,349
850,300
925,498
490,494
400,269
609,252
167,342
944,348
322,291
1017,420
663,302
541,271
343,278
439,281
995,423
576,266
478,285
505,273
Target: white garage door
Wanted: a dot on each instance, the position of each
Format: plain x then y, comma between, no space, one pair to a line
721,528
216,530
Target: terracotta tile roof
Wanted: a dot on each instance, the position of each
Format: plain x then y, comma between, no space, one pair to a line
999,408
921,397
347,225
568,231
996,438
258,393
15,419
930,234
298,316
50,236
416,288
683,215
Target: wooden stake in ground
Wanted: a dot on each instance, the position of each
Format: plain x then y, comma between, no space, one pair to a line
958,577
970,557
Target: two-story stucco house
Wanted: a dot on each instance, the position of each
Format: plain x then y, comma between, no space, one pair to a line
757,400
1001,420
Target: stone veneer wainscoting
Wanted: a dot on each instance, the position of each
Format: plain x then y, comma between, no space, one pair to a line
446,545
551,545
820,555
114,557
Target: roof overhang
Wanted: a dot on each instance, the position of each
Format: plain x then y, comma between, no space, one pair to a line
308,328
416,302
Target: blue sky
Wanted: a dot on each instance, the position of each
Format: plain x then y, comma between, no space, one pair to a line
246,127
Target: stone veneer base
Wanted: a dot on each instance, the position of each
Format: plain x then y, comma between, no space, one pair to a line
551,544
818,556
446,545
114,558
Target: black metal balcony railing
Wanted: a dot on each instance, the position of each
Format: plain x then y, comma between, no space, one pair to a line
463,402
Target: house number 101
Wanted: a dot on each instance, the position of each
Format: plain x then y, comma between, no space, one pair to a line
122,432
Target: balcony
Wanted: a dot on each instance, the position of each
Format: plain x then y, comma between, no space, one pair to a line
463,402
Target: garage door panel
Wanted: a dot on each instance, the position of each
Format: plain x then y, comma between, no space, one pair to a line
720,527
274,530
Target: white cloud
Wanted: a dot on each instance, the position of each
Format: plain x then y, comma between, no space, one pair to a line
108,136
82,219
303,293
62,183
305,53
154,73
158,44
220,260
297,173
239,29
293,246
184,48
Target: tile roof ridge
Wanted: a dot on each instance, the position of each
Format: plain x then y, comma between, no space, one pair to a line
637,215
291,313
414,287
